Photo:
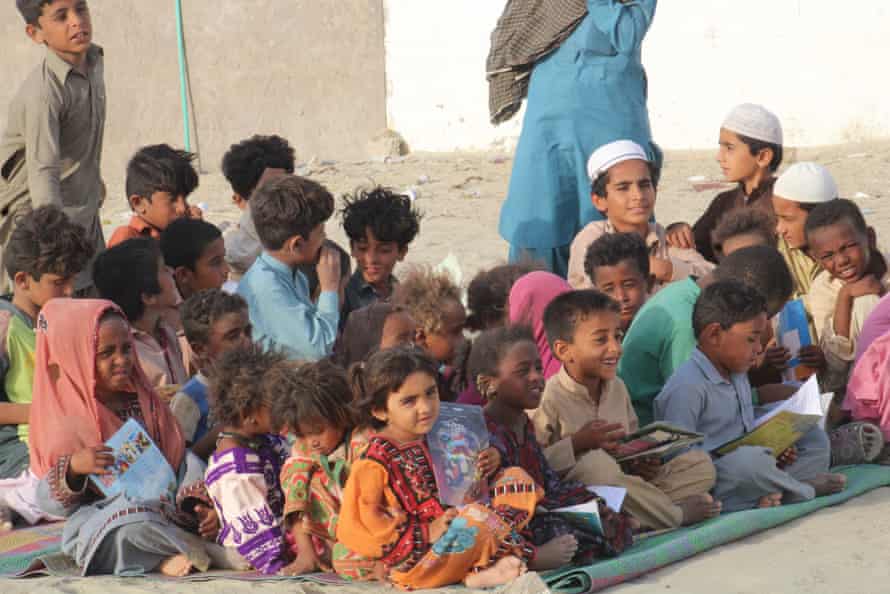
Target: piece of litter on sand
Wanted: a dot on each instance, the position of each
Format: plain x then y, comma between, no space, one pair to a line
473,194
467,181
423,179
498,160
696,178
861,195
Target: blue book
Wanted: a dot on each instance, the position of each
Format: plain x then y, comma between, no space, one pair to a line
794,333
455,442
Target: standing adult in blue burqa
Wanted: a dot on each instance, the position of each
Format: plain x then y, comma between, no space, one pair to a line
588,92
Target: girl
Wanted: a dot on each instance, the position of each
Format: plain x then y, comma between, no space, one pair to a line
242,474
529,298
381,325
507,368
87,383
391,513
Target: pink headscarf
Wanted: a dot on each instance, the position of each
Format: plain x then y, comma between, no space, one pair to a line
529,297
868,391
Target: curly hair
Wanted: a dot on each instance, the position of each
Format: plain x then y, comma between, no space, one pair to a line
288,206
490,348
488,292
236,382
46,241
746,221
243,165
203,309
422,292
308,393
612,249
387,215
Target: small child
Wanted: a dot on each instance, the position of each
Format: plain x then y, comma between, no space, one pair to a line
289,213
133,275
380,225
618,265
379,326
750,154
242,474
159,181
506,366
390,513
488,292
529,297
741,228
51,149
586,409
624,190
243,166
44,254
194,250
215,323
710,394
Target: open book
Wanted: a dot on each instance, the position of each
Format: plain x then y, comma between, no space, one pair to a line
656,439
793,333
780,428
455,442
589,513
140,469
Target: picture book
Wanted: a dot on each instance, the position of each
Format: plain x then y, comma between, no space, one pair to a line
455,442
140,469
589,513
656,439
793,333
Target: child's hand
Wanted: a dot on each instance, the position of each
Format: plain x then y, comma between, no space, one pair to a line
646,468
94,460
328,269
598,434
787,458
777,357
867,285
440,525
489,461
661,269
812,356
208,522
679,235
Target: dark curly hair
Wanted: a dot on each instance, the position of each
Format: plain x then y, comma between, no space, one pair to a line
384,373
488,292
490,348
243,165
203,309
833,212
309,393
726,302
612,249
383,212
237,386
288,206
745,221
46,241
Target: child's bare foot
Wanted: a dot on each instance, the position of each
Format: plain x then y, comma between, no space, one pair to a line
505,570
699,508
555,553
175,566
771,500
828,483
6,523
299,566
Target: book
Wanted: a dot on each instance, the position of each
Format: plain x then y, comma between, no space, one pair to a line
455,442
589,513
780,428
140,471
793,332
656,439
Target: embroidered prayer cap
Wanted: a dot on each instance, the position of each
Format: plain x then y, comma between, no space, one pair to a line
609,155
754,121
806,182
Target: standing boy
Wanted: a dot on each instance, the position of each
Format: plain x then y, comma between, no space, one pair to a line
51,150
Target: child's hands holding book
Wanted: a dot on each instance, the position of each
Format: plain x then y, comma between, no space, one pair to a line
440,525
777,356
596,435
787,458
95,460
812,356
646,468
489,461
208,522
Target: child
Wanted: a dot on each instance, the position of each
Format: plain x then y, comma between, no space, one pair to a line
390,512
624,189
585,409
710,394
242,474
159,181
195,251
506,366
741,228
45,253
312,401
87,383
243,166
750,154
215,323
661,337
488,292
380,225
289,213
618,265
379,326
51,149
134,276
529,298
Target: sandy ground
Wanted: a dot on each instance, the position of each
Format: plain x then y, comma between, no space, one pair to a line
839,550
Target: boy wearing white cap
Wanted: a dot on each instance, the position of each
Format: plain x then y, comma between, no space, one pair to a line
750,154
624,190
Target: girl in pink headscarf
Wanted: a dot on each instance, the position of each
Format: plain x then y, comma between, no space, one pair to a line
529,298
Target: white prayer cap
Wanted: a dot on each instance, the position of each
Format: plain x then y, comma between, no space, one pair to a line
806,182
609,155
754,121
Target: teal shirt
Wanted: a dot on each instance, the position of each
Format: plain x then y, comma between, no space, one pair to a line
659,340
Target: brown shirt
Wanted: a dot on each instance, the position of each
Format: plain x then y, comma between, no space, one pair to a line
761,197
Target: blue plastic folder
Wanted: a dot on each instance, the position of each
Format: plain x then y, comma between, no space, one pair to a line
794,330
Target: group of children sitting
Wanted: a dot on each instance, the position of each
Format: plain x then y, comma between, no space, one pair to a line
294,406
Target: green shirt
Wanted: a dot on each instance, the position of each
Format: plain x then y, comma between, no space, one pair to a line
17,346
659,340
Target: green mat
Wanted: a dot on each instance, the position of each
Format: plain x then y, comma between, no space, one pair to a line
658,551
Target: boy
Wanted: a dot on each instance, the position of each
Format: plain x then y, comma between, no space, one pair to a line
586,408
45,252
741,228
159,181
750,154
194,250
661,337
134,276
244,166
289,213
380,225
215,323
618,265
623,189
52,146
710,394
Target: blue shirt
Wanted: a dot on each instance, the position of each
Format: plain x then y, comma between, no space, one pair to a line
282,311
192,419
